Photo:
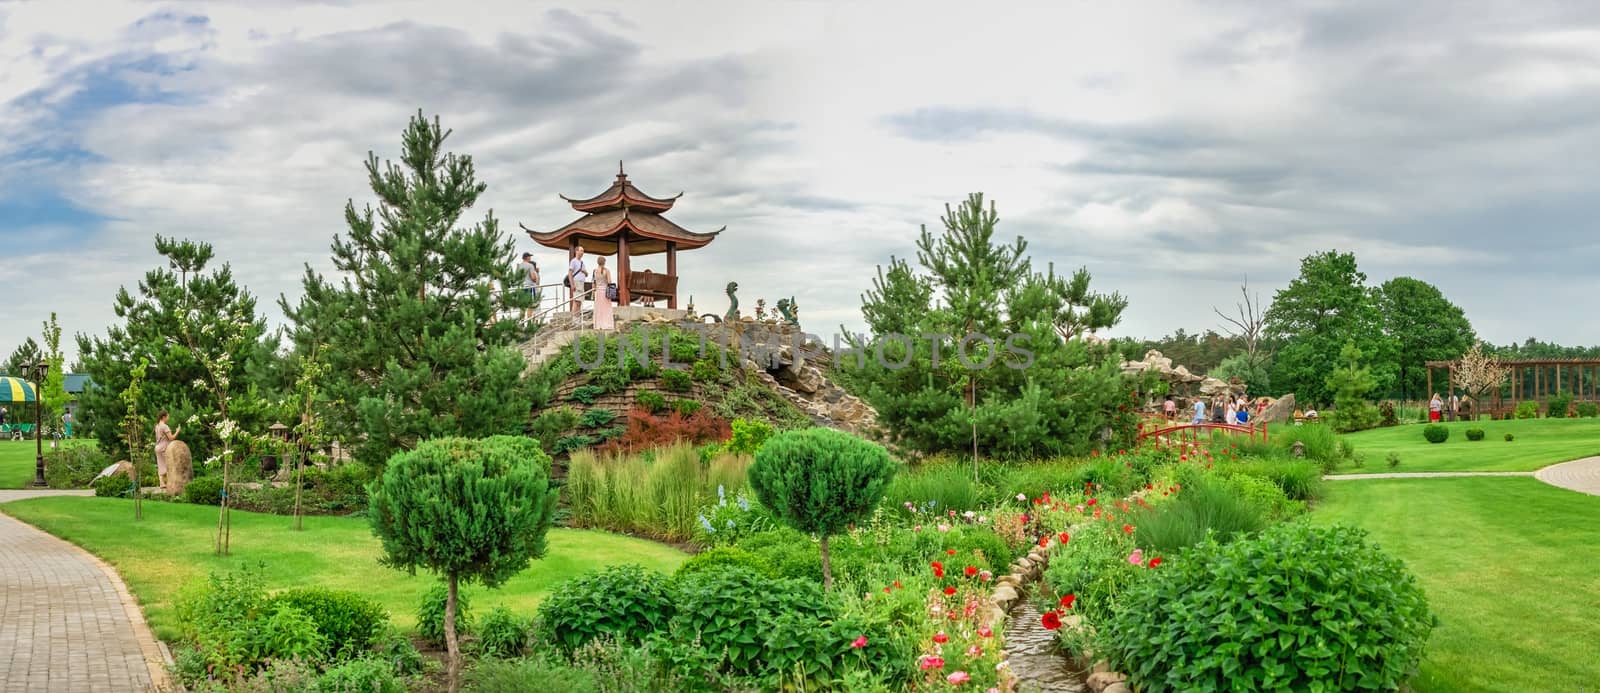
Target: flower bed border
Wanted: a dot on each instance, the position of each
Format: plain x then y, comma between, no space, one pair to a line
1012,588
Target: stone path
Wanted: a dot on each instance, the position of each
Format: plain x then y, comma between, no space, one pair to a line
1419,475
1582,475
67,621
1033,657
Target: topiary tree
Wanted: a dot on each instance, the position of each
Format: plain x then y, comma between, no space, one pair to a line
465,509
820,480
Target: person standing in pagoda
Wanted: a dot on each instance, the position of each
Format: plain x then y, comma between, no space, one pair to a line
602,296
576,276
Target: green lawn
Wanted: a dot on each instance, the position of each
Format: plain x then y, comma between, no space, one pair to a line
17,460
1539,443
1511,566
173,546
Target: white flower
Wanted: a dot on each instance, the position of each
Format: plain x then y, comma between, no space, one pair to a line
210,460
1023,497
199,382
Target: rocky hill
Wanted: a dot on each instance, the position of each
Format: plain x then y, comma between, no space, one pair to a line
664,360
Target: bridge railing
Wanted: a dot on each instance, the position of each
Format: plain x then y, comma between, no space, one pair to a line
1201,433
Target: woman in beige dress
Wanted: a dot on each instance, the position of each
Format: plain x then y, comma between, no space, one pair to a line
602,301
164,437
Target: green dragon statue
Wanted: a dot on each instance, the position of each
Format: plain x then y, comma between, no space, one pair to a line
733,303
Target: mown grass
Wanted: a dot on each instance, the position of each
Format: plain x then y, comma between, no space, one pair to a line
1538,443
173,546
17,460
1509,565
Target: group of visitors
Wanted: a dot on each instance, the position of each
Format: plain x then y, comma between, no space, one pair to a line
1223,409
1447,410
577,277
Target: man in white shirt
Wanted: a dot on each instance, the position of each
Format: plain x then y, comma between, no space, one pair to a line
576,276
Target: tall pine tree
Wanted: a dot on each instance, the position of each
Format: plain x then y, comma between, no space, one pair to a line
407,330
951,327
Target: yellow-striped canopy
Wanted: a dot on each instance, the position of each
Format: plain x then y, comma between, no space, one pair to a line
16,390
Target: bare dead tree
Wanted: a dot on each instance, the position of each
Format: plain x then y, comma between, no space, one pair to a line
1250,326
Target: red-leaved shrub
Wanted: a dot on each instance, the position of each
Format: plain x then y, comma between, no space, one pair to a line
646,430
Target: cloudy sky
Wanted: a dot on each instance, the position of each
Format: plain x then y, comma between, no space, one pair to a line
1173,148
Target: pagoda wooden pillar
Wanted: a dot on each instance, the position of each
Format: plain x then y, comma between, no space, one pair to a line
672,271
623,267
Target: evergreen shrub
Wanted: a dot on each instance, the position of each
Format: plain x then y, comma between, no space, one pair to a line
1474,434
1436,433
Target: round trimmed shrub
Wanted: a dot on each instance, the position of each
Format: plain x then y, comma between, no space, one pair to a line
1510,437
349,621
205,490
1337,614
114,486
819,481
723,557
624,602
1436,433
1474,434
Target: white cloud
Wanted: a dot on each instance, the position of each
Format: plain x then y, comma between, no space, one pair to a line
1172,147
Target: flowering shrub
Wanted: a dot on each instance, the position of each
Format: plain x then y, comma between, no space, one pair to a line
1338,614
1093,566
722,523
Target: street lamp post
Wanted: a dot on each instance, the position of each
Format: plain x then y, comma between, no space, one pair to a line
38,422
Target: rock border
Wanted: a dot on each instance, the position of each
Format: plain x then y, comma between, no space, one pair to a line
1010,590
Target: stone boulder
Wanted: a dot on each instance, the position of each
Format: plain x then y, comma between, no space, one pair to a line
123,467
1281,409
180,468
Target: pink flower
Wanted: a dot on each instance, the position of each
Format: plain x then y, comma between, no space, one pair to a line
917,528
941,638
1137,557
1022,497
944,528
985,576
859,642
985,632
958,678
930,662
974,651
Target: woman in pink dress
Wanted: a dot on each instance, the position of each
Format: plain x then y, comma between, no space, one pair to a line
602,299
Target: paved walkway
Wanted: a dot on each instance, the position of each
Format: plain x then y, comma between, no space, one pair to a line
67,622
1582,475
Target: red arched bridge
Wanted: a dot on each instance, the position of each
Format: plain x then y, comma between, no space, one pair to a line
1201,433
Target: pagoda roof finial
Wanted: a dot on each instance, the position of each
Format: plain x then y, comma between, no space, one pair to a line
620,172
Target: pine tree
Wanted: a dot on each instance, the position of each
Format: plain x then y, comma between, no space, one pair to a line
151,329
992,360
411,344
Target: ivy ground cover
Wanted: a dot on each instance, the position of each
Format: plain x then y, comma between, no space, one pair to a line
172,546
1509,566
1538,443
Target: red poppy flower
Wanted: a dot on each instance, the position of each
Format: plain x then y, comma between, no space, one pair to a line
1050,620
938,572
1066,602
972,570
1064,537
1127,529
885,590
897,584
1155,561
1044,541
951,552
941,638
1092,501
949,590
1148,487
859,642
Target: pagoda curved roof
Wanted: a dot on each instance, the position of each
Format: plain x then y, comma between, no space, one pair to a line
622,194
647,233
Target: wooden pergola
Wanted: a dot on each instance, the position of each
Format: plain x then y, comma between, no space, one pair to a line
1535,380
625,222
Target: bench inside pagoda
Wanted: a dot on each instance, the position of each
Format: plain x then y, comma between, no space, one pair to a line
627,223
651,286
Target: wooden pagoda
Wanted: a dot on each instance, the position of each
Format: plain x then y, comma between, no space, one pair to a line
625,222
